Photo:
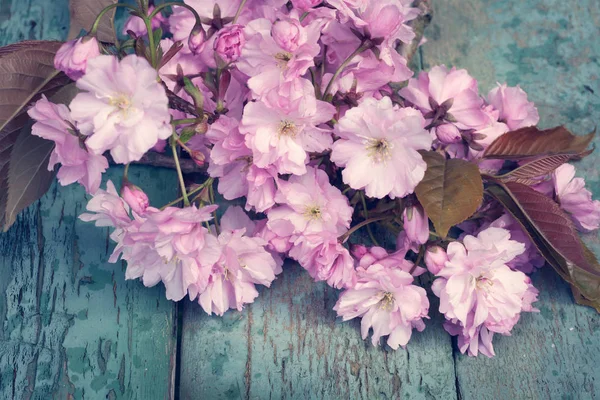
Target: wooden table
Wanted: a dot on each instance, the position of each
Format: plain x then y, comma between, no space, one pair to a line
72,327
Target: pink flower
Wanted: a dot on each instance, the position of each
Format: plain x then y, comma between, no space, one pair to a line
477,289
416,224
171,246
197,40
270,63
283,137
136,25
515,110
54,122
435,259
243,263
135,198
122,107
309,205
446,96
229,42
387,301
305,5
378,148
73,56
379,255
107,208
326,259
575,199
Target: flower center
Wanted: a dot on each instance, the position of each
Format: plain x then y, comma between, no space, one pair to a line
313,213
282,59
379,149
483,283
122,102
387,302
287,128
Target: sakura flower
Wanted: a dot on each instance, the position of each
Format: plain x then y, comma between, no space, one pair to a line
243,263
477,288
446,96
378,148
106,208
575,199
122,107
73,56
54,122
229,43
308,205
416,224
136,25
283,137
268,63
515,110
305,5
135,198
171,246
326,259
387,301
396,260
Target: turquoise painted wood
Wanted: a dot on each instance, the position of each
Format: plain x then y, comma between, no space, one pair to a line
73,328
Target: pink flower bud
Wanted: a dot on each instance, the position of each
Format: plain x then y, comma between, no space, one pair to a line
358,250
305,5
197,40
288,34
72,57
448,134
136,198
435,259
198,158
416,224
229,42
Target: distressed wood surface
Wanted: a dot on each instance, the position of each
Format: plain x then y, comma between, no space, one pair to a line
72,326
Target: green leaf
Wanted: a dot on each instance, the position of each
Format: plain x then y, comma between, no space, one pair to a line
26,72
450,192
531,142
555,236
84,13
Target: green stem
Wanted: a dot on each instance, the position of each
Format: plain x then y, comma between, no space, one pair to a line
364,204
239,11
190,194
184,194
356,227
151,43
104,11
211,195
184,121
363,46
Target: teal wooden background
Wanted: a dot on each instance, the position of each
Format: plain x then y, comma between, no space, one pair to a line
71,327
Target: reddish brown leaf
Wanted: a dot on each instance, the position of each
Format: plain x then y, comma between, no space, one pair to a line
532,142
83,15
450,192
535,168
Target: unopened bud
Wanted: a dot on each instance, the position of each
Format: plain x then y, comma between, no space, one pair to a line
197,40
435,259
135,197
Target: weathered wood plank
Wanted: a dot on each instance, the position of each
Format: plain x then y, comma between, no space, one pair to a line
551,49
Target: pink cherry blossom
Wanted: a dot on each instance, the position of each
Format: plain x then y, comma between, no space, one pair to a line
575,199
396,260
122,107
54,122
305,5
136,25
73,56
289,34
106,208
378,148
326,259
515,110
309,205
387,302
229,42
435,259
477,288
416,224
135,198
447,96
283,137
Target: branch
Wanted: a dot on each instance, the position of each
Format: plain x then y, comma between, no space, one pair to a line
188,166
418,25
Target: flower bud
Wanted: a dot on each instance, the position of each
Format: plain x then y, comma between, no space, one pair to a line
448,134
416,224
197,40
358,250
435,259
136,198
72,57
198,158
288,34
229,42
305,5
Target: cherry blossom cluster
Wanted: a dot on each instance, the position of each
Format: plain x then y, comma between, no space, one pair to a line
305,111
